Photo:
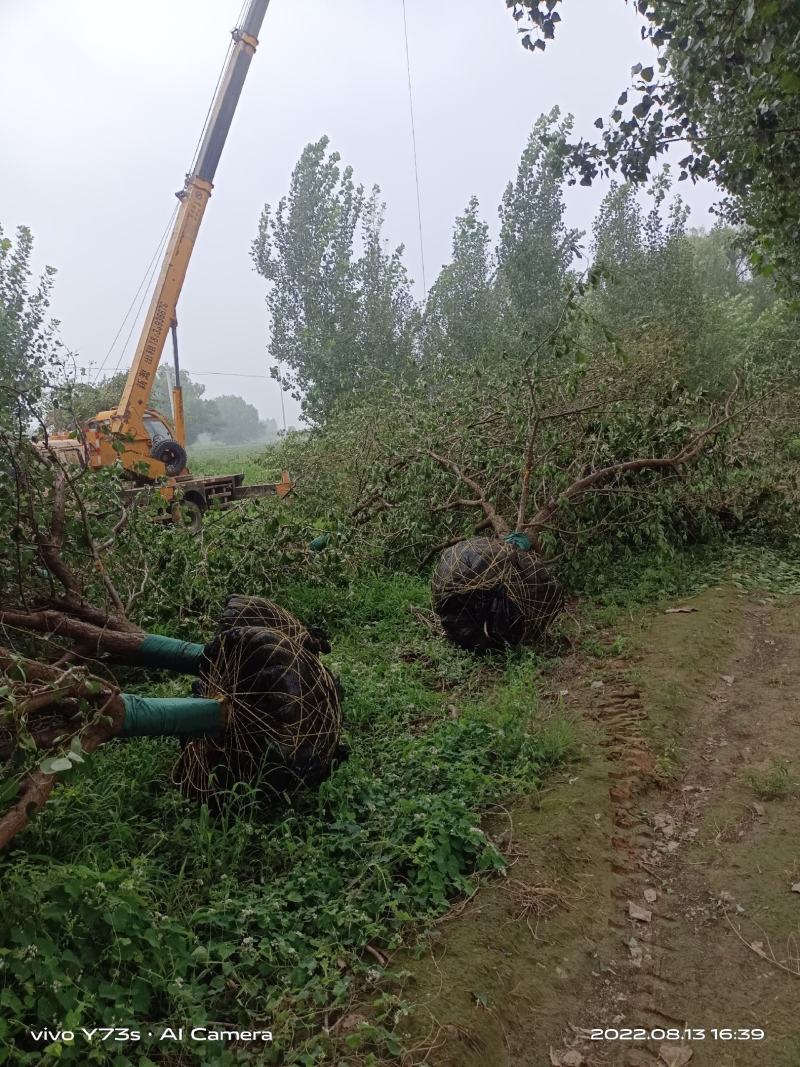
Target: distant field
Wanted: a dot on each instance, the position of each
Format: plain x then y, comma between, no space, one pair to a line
256,462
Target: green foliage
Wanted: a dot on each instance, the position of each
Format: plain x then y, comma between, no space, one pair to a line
653,281
725,83
29,345
461,321
124,904
227,419
341,311
536,248
774,783
240,422
76,401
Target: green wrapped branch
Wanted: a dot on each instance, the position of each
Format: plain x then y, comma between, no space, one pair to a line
171,716
168,653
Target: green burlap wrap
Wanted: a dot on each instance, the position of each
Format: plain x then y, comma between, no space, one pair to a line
170,716
169,654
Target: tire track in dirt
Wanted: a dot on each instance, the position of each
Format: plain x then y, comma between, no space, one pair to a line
687,965
621,714
657,813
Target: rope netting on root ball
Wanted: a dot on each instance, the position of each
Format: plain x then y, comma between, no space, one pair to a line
490,594
265,710
283,717
258,611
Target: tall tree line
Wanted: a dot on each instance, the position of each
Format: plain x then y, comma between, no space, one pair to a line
344,322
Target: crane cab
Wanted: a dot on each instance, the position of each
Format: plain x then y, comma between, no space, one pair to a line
148,451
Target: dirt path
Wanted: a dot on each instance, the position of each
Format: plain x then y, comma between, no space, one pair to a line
650,893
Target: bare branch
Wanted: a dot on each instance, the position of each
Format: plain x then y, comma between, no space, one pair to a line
56,623
498,523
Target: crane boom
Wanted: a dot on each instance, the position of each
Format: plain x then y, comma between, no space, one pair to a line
128,417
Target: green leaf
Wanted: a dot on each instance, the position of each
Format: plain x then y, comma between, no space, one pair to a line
55,764
8,790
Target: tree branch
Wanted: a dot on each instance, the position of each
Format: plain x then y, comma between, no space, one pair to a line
688,454
498,523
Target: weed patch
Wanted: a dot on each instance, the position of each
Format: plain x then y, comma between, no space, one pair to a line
774,783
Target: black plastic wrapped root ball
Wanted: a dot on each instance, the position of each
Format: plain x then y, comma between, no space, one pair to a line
258,611
489,594
282,719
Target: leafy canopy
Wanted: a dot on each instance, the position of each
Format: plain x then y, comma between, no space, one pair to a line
726,83
341,312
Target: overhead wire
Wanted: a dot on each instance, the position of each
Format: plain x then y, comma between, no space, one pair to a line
414,145
239,20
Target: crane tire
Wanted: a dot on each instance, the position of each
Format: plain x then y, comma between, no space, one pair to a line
171,454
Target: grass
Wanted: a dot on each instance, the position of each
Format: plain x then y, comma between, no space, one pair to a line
125,903
774,783
258,463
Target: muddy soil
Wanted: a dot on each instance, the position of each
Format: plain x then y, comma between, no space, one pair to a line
650,894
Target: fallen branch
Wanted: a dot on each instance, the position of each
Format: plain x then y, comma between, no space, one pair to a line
95,638
36,786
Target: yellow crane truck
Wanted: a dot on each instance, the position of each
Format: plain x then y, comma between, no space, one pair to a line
144,442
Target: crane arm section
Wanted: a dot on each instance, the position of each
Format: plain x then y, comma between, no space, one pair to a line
129,414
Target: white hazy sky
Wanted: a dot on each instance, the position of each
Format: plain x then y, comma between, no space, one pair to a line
103,102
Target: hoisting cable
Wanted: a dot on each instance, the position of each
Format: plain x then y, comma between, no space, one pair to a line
142,283
147,278
414,144
146,285
239,19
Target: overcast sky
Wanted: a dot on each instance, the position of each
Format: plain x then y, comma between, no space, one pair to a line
103,102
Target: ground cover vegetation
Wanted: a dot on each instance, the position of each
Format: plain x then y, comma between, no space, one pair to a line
536,364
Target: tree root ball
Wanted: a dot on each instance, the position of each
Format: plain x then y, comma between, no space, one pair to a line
489,594
258,611
283,717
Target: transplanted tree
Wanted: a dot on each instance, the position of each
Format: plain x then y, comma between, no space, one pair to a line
460,322
536,248
726,82
340,305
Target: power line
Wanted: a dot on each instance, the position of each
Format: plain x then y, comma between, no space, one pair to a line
226,374
414,144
